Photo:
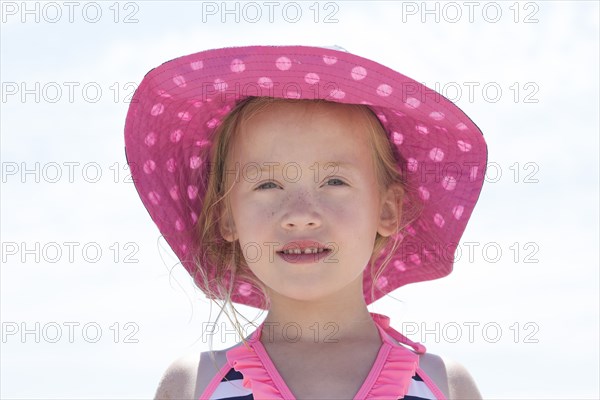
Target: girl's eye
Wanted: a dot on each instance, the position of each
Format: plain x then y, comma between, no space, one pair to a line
262,187
338,180
273,185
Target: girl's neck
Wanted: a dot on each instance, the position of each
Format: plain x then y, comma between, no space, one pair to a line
324,321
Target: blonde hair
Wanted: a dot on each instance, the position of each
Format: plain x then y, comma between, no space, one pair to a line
227,258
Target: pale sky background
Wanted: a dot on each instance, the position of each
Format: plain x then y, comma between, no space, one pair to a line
543,139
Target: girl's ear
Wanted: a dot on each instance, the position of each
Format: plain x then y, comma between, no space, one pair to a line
226,225
391,210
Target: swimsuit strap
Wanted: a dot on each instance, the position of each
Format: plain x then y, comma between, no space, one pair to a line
384,322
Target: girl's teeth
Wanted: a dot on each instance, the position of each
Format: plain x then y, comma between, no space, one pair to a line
306,251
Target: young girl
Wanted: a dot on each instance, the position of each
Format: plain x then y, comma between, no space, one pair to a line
308,182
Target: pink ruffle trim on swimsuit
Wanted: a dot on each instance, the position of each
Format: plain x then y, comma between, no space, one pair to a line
245,360
394,376
389,378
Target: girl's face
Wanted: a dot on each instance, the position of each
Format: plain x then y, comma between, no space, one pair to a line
299,195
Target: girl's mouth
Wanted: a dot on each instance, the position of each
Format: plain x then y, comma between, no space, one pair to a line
305,257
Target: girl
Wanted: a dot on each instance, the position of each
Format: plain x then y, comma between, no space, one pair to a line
308,182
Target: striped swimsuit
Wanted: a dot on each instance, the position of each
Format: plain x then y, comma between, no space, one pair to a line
250,373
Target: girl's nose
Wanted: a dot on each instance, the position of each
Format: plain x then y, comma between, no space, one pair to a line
301,214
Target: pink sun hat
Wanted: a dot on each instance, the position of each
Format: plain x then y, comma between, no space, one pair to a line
178,106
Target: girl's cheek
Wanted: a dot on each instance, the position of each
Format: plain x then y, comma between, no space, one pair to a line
339,212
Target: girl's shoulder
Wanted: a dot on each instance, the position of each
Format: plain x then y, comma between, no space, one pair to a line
188,376
451,377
